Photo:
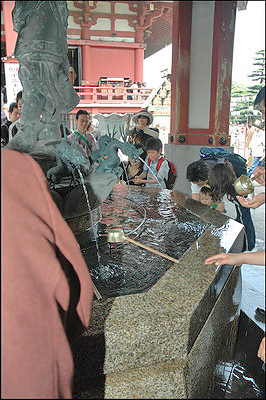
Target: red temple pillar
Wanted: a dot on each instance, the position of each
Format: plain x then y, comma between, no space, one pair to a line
221,79
139,56
85,55
11,35
182,14
203,39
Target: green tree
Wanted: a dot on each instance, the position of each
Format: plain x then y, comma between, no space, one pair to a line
241,101
258,74
242,97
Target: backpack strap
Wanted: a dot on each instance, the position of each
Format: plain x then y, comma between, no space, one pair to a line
159,163
84,139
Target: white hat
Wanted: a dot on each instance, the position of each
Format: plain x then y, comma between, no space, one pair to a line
143,113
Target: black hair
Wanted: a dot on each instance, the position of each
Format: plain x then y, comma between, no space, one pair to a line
206,190
260,96
12,106
221,179
81,112
197,171
19,96
154,144
144,116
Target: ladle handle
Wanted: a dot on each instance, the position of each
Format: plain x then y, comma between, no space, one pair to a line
96,292
255,177
152,250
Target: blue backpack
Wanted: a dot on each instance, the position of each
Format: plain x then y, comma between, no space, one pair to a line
215,153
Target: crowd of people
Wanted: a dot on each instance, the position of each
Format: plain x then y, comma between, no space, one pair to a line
87,133
48,291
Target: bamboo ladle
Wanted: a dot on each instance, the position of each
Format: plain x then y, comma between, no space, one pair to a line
116,235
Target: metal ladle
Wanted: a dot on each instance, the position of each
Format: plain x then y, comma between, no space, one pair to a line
116,235
243,185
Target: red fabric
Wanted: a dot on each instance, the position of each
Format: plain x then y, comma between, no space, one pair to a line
36,356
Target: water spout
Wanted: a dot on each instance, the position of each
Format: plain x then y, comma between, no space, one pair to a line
89,207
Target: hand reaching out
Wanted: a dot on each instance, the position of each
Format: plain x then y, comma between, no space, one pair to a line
128,118
224,258
255,202
252,258
137,180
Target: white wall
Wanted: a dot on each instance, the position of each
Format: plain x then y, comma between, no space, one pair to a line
154,64
200,64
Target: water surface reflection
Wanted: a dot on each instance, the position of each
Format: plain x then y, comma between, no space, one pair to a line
127,268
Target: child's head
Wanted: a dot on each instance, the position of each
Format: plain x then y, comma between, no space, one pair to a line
206,195
197,172
154,148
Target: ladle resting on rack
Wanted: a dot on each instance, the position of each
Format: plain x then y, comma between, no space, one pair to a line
116,235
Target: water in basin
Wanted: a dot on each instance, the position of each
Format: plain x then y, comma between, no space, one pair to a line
126,268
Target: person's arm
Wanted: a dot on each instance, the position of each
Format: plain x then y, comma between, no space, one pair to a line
261,351
256,258
162,174
255,202
195,196
195,189
220,206
140,178
128,131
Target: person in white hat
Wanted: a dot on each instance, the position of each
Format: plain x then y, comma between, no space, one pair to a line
141,132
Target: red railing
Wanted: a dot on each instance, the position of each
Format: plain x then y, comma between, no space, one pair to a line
116,95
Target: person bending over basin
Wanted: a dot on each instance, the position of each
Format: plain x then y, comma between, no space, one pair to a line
256,258
220,176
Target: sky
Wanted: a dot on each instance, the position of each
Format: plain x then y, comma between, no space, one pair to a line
249,38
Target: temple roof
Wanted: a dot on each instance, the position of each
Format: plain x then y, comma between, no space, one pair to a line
159,34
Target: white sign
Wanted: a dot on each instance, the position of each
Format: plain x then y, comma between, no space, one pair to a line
13,84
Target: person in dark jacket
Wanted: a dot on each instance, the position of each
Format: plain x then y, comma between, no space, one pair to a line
13,114
133,168
141,131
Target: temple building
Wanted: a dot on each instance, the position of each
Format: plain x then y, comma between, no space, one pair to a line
108,41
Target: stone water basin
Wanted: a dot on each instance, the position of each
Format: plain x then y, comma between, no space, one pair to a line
164,338
156,221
